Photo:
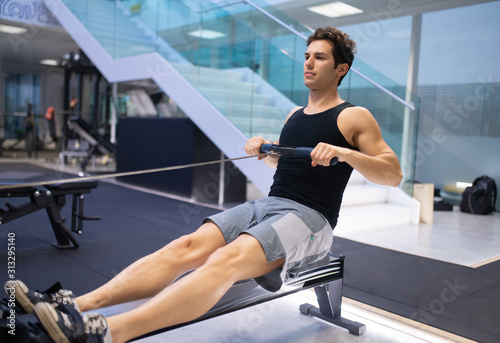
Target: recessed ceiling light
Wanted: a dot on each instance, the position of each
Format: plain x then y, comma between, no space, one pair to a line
335,9
15,30
49,62
206,34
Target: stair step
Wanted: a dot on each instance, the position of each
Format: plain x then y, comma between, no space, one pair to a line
356,219
358,194
249,111
356,178
214,74
218,95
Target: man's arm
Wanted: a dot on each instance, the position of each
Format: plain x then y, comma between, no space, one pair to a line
375,160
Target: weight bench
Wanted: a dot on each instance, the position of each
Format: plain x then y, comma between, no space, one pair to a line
97,142
326,277
52,198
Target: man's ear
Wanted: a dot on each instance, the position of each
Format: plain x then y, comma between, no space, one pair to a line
342,69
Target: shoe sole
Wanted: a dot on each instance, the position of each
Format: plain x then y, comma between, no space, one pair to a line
22,300
49,318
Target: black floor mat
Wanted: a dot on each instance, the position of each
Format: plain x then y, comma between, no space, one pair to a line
457,299
132,225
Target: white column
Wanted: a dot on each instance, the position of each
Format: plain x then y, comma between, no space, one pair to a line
410,124
222,173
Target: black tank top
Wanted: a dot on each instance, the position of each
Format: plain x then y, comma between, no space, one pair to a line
319,188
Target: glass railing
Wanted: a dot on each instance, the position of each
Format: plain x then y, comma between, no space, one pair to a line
246,58
113,27
234,54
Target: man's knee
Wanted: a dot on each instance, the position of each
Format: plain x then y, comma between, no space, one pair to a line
178,250
224,260
191,250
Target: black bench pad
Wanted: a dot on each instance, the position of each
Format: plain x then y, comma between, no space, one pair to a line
73,186
16,191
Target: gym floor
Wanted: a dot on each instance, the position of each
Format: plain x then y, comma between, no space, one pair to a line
454,237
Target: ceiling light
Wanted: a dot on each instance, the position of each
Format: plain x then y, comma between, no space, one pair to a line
15,30
206,34
50,62
335,9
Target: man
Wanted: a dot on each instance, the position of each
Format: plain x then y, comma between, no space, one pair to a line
260,239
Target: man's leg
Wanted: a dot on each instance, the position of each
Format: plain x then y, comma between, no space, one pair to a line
193,295
151,274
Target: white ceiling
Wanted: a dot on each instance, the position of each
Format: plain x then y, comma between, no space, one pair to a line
39,43
372,10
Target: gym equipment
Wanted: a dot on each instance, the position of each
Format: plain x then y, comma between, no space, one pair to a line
279,150
325,276
96,141
265,149
121,174
52,198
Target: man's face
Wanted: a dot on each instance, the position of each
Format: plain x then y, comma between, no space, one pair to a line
319,70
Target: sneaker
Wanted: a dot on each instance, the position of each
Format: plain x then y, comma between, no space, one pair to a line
66,325
27,299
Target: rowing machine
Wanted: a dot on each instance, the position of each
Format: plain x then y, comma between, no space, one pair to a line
325,277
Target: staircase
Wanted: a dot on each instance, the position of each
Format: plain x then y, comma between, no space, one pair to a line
244,103
228,105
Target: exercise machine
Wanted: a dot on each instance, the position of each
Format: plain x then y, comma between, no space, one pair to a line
52,198
325,277
95,140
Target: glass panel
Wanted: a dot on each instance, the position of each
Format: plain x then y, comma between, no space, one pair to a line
383,49
21,97
116,27
398,122
461,101
230,60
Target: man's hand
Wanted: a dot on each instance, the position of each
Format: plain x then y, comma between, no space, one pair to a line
323,153
252,147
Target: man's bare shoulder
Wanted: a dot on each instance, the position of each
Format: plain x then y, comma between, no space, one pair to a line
357,115
356,110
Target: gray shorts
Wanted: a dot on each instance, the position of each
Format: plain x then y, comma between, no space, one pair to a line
284,228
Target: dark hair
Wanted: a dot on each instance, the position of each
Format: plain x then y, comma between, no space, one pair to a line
344,47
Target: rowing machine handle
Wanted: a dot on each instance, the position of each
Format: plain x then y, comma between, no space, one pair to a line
291,151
